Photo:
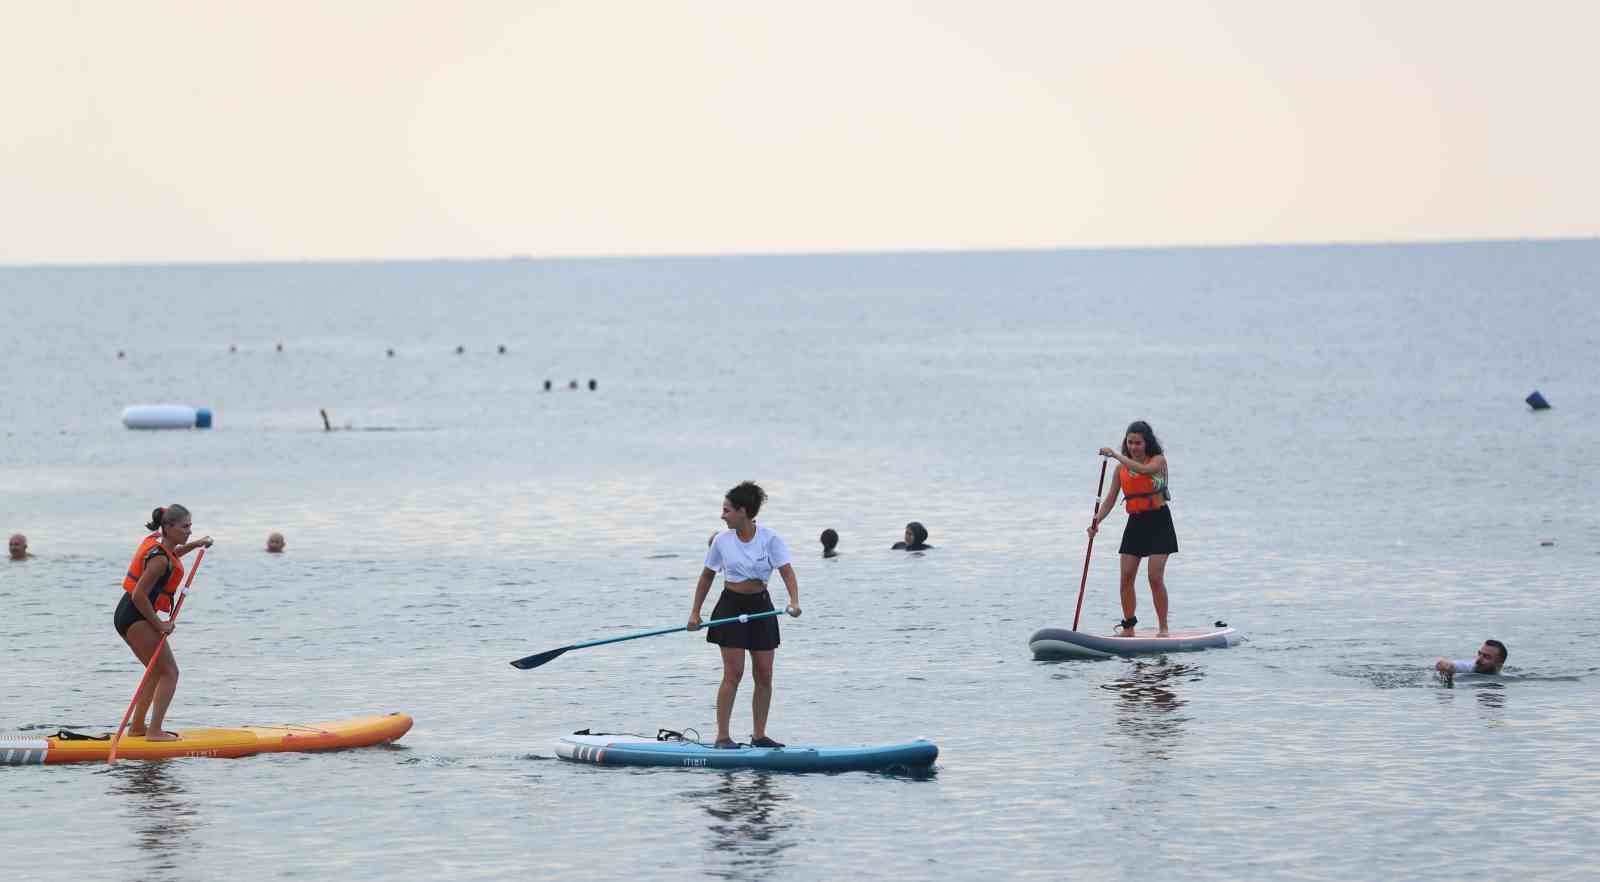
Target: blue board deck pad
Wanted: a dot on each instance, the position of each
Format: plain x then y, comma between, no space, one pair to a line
637,750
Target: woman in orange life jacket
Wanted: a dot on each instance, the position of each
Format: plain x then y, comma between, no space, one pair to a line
150,585
1142,480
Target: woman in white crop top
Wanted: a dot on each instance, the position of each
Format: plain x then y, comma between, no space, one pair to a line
746,554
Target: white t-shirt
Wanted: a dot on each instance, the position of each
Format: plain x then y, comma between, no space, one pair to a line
744,561
1465,665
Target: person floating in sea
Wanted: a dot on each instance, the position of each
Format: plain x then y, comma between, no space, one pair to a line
916,538
151,585
275,543
18,546
746,555
830,540
1142,479
1491,658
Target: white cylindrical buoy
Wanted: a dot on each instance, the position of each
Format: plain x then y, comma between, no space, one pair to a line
166,416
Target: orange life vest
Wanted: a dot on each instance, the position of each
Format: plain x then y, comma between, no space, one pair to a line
1143,492
163,600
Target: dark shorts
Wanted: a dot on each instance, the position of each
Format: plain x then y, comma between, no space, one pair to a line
1150,532
759,635
126,615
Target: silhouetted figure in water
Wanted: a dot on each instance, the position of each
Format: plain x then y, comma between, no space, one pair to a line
829,540
916,538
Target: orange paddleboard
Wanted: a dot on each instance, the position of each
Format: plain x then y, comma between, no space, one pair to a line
225,743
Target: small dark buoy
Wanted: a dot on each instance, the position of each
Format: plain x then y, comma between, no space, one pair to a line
232,348
501,349
389,352
1547,543
460,350
1537,402
593,385
546,382
121,354
280,347
572,384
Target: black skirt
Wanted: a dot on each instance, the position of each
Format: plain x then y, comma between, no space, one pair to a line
760,634
1150,532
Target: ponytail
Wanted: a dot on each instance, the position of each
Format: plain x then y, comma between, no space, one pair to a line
155,519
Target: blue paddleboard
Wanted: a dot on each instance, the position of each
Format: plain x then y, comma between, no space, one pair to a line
634,750
1065,643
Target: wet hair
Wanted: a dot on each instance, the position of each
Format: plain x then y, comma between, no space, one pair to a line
748,496
829,539
1152,447
919,533
166,516
1497,645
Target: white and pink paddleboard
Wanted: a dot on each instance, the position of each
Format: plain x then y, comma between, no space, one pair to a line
1066,643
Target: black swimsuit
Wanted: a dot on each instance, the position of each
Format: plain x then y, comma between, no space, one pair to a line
127,614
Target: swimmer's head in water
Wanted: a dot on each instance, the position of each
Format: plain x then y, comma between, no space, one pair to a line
275,542
743,503
829,539
1491,656
18,546
916,533
1140,434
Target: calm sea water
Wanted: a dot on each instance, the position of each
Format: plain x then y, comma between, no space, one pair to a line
1357,484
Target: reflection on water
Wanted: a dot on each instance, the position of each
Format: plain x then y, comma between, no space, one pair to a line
1149,705
749,827
162,819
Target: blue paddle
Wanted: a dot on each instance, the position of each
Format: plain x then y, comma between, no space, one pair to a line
533,661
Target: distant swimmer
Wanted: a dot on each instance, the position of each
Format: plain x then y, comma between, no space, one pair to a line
830,539
1491,658
1142,479
746,555
916,538
151,584
19,547
275,543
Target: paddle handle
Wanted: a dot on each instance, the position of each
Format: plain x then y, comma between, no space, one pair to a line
111,756
1082,583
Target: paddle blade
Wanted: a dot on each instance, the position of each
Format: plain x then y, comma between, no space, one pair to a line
533,661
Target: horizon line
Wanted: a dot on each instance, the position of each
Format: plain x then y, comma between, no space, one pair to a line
863,252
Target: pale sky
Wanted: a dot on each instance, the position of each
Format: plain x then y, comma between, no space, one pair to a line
162,130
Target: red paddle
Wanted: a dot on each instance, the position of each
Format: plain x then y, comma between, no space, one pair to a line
176,608
1090,550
